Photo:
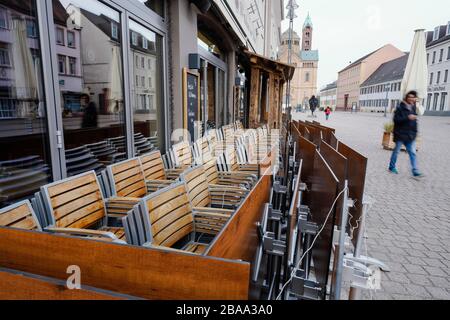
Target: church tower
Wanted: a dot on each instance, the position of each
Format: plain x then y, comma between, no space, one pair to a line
307,34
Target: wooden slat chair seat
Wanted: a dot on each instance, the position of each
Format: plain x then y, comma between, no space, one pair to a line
204,195
182,153
76,207
227,178
127,179
21,216
155,175
166,219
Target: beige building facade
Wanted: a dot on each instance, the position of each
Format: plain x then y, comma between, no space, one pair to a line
351,78
304,83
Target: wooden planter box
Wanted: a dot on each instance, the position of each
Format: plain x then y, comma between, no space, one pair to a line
389,144
388,141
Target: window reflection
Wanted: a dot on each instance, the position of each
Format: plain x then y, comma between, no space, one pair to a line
146,89
90,68
24,159
156,5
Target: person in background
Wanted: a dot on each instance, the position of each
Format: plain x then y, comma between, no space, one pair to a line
327,113
405,132
313,103
90,112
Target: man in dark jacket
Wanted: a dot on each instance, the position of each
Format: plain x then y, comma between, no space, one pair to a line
405,132
313,104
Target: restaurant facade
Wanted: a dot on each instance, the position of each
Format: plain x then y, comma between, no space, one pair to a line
84,84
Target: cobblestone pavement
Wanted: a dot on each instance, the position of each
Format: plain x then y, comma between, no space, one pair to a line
408,226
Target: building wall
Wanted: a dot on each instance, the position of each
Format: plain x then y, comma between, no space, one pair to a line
373,98
328,98
349,80
438,90
300,89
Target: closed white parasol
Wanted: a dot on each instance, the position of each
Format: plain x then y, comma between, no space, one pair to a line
416,72
116,90
24,71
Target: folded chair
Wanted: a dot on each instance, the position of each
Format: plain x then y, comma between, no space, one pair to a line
227,178
204,195
77,207
127,179
156,176
229,162
166,219
21,216
182,153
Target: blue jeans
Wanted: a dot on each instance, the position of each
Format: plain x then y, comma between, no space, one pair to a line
411,148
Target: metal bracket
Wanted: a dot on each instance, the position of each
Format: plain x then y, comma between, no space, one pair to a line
272,246
361,276
304,288
307,227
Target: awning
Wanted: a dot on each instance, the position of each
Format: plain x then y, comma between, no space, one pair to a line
287,70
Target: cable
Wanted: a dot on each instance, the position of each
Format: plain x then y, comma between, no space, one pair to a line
312,245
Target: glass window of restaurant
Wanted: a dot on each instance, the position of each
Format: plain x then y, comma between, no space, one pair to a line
24,147
69,79
91,86
147,93
213,82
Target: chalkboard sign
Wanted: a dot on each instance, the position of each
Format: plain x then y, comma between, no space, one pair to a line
191,93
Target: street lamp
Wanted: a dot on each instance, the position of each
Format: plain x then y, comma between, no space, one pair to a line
387,88
291,7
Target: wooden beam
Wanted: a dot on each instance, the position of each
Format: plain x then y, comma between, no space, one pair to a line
146,273
22,286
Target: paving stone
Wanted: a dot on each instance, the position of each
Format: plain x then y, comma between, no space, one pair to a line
439,293
418,291
440,282
435,271
409,221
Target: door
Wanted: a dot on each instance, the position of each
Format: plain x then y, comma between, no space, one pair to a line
346,102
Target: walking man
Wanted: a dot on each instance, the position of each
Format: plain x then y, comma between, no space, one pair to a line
313,103
405,132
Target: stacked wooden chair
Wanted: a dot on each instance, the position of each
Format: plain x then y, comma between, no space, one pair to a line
204,196
77,207
155,175
226,178
20,216
166,219
182,155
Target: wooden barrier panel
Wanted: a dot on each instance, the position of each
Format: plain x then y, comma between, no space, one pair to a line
296,138
307,154
22,286
337,163
356,175
293,217
145,273
239,239
334,141
323,193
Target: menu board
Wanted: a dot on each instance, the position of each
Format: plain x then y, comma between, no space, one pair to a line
191,93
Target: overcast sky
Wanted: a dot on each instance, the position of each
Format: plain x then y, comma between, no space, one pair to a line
346,30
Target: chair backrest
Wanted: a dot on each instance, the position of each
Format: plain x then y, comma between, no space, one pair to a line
197,186
153,166
76,202
210,165
201,147
19,215
231,160
127,179
167,215
182,153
